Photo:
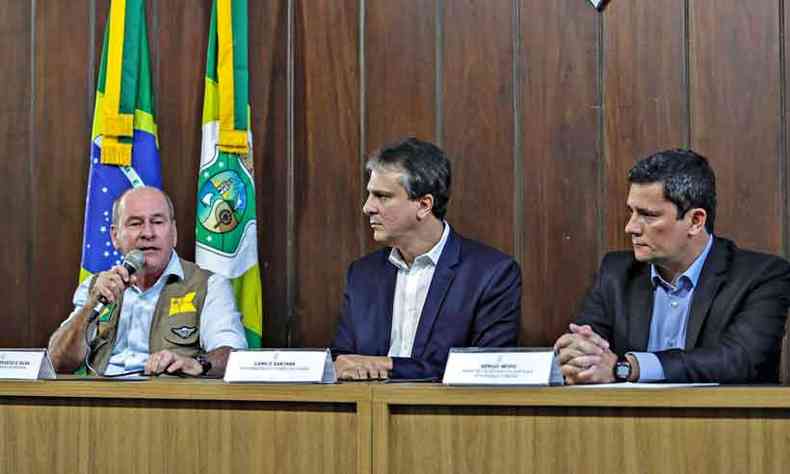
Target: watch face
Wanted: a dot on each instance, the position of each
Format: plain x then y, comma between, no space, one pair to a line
622,370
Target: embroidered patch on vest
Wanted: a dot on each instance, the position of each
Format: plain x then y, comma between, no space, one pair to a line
184,331
182,305
104,316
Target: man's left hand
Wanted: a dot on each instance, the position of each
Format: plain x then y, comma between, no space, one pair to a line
359,367
169,362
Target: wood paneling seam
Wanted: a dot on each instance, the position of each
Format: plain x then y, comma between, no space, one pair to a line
518,163
362,119
439,84
687,70
290,197
600,145
33,149
783,217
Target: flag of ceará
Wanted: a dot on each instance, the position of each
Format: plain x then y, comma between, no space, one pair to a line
124,150
225,228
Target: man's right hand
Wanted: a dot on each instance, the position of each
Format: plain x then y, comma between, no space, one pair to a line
111,284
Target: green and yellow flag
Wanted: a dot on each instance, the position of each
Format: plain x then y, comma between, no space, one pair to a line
124,149
226,228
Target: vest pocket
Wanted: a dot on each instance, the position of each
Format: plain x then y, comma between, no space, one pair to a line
182,329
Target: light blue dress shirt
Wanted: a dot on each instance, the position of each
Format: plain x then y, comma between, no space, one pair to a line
671,305
220,321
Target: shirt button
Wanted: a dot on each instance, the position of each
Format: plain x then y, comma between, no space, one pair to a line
674,304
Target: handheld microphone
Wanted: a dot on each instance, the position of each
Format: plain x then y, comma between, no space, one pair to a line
133,262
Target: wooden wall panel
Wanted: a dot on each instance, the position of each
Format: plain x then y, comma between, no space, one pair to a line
15,144
785,153
101,11
735,114
178,30
539,173
327,211
400,71
268,48
61,130
645,107
559,99
478,118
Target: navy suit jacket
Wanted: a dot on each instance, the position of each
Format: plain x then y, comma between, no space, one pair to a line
735,322
474,300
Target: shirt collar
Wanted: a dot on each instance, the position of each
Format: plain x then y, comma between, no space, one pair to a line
430,257
173,268
691,274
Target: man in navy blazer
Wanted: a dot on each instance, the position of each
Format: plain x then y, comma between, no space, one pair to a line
684,305
406,305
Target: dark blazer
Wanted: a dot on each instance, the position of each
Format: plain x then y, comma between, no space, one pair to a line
474,300
784,363
736,319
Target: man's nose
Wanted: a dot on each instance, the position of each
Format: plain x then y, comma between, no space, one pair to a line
367,207
148,230
632,226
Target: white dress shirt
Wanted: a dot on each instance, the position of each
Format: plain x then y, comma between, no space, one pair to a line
220,321
411,290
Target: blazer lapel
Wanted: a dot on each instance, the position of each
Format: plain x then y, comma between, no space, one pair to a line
710,280
442,278
640,310
386,290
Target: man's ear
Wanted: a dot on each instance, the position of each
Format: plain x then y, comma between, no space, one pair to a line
698,217
425,206
175,234
114,235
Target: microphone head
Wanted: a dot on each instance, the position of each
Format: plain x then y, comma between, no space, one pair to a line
134,261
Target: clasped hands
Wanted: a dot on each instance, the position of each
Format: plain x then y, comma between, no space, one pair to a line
359,367
584,356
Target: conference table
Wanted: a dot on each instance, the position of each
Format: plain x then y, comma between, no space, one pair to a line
175,425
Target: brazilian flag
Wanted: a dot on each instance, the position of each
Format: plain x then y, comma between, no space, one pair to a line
226,226
124,149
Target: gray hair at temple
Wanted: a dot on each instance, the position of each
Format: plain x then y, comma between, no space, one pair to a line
116,211
424,169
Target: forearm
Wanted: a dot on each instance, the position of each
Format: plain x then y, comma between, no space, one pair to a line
67,345
497,316
412,368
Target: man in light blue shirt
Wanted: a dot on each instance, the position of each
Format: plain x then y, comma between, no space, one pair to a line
669,323
192,331
683,305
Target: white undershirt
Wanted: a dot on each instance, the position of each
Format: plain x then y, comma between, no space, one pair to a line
411,290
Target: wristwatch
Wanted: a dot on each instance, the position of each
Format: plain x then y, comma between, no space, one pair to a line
204,363
622,370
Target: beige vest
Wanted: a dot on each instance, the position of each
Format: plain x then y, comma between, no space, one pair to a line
176,322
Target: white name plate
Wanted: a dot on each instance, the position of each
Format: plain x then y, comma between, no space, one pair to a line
25,364
281,366
502,366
